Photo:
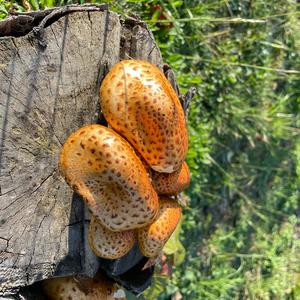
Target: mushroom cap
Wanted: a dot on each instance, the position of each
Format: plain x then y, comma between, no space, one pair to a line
171,183
139,103
109,244
152,238
103,168
71,288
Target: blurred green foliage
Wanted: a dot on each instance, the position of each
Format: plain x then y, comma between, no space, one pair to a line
241,229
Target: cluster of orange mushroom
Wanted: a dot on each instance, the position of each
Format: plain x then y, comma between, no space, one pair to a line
82,288
128,173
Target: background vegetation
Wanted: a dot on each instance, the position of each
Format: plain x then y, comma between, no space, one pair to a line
240,232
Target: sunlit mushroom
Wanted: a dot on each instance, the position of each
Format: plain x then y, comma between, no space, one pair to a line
109,244
152,238
171,183
104,169
139,103
81,288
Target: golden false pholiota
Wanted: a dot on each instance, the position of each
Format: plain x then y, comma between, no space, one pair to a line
120,171
139,103
81,288
171,183
109,244
153,237
103,168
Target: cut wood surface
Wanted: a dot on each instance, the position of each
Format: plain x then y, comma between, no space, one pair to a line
46,93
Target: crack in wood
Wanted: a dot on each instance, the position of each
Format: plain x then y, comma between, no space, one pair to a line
43,181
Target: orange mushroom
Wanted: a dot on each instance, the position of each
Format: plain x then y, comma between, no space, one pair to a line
139,103
171,183
109,244
80,288
152,238
104,169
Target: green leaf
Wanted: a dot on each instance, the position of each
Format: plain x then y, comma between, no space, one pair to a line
35,4
3,9
49,3
179,255
157,287
175,247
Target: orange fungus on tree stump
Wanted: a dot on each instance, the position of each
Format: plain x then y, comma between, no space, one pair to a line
103,168
139,103
153,237
81,288
171,183
109,244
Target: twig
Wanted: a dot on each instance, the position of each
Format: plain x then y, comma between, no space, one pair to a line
20,24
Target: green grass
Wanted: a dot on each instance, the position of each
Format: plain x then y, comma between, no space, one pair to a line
241,228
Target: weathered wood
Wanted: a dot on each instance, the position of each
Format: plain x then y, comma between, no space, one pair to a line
46,94
19,24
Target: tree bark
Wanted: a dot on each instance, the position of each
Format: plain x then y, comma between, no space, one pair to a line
49,88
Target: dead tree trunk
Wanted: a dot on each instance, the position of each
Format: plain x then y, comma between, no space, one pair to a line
49,81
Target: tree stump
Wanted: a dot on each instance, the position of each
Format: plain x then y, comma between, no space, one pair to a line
49,81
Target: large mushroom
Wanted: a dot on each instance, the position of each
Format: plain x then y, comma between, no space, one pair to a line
103,168
171,183
109,244
152,238
139,103
81,288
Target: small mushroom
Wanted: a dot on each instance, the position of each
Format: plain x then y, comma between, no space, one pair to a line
171,183
80,288
109,244
103,168
152,238
139,103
